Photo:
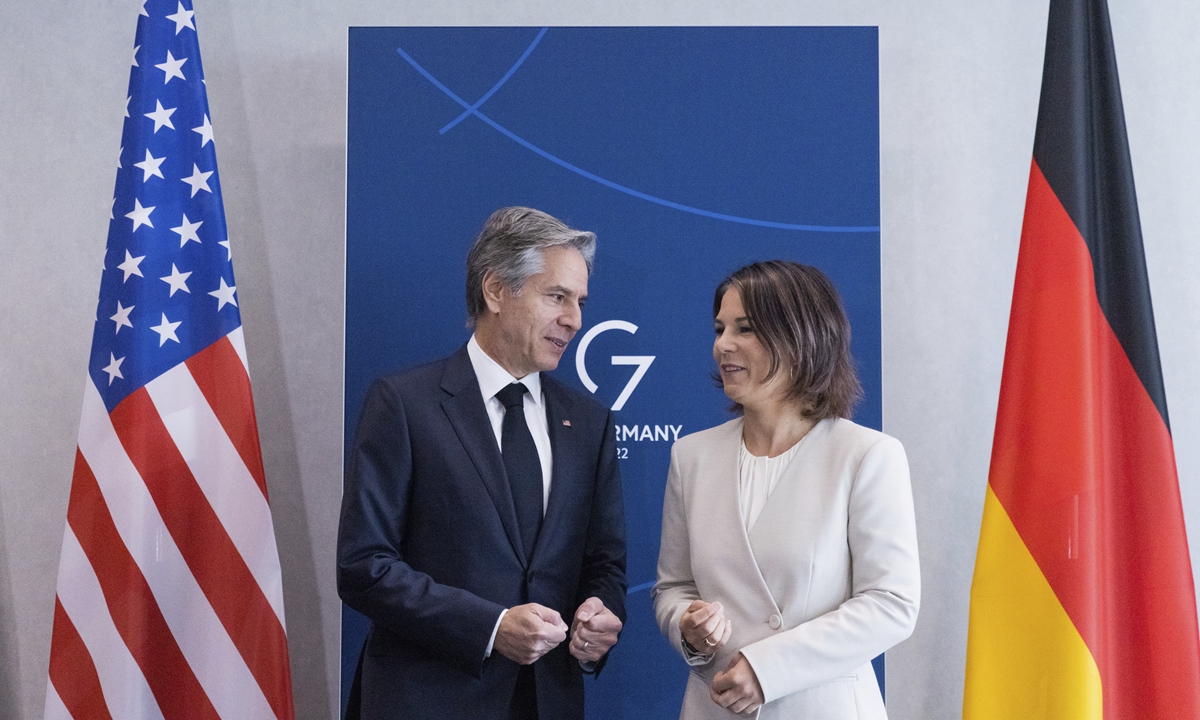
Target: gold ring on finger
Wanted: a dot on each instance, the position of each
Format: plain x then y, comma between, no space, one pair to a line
709,642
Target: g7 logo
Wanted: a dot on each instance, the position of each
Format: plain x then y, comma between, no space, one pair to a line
642,361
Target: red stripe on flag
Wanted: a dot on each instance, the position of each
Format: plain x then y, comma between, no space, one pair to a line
219,569
1084,466
134,611
221,377
72,671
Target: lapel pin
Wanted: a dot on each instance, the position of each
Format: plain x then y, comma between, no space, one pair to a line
566,423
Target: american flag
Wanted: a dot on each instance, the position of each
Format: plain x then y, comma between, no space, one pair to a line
170,601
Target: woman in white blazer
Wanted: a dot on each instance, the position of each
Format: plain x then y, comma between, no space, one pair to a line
789,550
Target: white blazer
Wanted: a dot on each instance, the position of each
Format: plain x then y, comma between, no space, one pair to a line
825,580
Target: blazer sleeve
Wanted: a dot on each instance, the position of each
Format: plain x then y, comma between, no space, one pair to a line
885,586
372,576
675,588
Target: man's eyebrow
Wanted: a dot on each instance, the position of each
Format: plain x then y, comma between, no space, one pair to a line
562,290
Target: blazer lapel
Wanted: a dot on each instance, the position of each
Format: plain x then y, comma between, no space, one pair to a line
778,513
468,416
730,496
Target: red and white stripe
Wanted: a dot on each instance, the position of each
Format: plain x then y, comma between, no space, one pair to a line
170,602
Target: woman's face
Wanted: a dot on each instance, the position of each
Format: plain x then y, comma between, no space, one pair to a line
742,360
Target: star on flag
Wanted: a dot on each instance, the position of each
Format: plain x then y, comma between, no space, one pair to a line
198,180
172,68
122,317
187,231
113,368
224,295
177,280
161,116
140,215
182,19
166,330
130,266
205,130
150,166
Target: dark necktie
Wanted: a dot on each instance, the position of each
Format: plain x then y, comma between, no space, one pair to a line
522,464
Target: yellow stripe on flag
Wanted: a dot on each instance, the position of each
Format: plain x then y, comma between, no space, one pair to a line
1025,659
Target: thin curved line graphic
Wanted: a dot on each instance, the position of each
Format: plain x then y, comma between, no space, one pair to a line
497,86
470,110
639,588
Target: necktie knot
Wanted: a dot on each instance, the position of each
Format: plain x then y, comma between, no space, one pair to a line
512,396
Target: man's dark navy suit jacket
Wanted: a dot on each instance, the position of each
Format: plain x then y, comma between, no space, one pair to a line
429,548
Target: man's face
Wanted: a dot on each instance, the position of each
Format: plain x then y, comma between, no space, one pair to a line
529,332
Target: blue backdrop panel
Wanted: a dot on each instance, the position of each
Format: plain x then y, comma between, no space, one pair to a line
689,151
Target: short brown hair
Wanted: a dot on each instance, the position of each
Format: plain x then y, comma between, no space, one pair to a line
796,314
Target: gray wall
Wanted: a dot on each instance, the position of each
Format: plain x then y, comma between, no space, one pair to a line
959,84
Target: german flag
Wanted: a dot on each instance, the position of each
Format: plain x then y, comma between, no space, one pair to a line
1082,605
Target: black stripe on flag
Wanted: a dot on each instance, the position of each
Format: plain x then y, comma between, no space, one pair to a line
1082,150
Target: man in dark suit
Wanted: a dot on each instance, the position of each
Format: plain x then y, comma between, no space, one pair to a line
482,507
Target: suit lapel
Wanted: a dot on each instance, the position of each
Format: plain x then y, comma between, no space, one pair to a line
468,416
565,447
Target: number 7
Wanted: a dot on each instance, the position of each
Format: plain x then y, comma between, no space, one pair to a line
643,363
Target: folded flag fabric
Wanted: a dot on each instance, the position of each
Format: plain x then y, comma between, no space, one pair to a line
1083,603
169,601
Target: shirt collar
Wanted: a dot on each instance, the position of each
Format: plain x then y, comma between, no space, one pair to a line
493,377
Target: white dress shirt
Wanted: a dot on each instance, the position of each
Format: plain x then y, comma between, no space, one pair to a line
492,379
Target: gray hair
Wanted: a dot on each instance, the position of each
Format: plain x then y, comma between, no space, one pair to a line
512,244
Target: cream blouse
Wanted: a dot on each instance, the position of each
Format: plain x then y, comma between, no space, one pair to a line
757,477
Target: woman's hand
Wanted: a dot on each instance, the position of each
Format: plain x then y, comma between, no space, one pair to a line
737,688
704,626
